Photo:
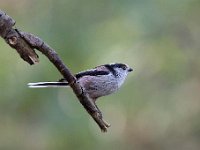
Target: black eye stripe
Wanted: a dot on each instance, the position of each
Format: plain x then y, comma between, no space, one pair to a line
119,65
111,69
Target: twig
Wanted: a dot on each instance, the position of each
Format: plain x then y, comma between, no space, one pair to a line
26,43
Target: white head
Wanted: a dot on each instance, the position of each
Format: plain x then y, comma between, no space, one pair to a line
120,71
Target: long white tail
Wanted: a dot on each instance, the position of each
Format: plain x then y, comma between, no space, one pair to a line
47,84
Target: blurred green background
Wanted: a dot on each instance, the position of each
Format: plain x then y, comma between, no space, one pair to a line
157,108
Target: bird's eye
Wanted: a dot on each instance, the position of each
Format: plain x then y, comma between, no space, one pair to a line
124,67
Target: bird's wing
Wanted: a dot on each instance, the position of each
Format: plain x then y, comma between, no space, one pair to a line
91,73
100,70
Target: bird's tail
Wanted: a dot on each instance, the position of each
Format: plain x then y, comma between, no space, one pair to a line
47,84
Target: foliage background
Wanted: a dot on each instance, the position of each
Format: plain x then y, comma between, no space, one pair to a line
157,108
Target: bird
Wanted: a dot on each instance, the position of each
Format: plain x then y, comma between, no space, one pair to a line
97,82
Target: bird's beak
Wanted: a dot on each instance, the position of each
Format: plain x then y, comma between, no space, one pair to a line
130,69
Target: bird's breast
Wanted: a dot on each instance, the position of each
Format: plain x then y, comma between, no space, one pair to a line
97,86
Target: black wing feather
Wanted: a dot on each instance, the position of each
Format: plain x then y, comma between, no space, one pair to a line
91,73
88,73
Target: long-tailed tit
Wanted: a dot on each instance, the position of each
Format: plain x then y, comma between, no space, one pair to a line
100,81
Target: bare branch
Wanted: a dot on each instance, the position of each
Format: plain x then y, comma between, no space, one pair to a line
12,37
26,43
